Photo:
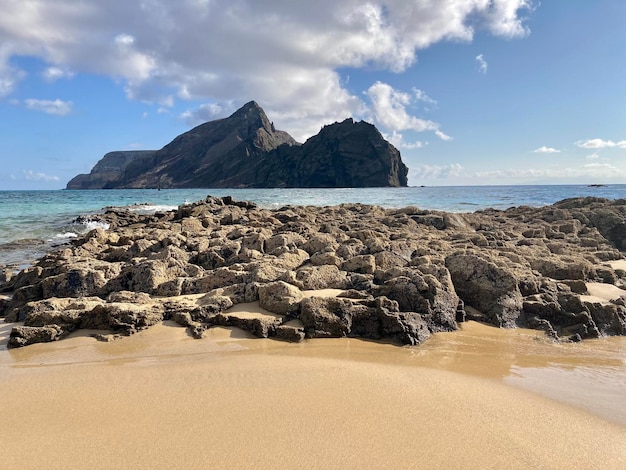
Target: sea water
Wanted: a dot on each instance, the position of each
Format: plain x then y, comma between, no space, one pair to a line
33,222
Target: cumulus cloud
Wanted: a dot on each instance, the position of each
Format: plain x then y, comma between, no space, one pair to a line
593,156
56,107
206,112
436,171
398,141
482,63
600,144
389,109
31,175
544,149
285,55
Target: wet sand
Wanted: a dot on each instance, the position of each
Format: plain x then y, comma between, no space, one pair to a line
160,399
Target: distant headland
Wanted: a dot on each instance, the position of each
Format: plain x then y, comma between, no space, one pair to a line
245,150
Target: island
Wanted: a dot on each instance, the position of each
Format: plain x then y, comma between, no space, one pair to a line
246,151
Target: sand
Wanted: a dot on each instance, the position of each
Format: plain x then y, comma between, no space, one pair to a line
160,399
599,292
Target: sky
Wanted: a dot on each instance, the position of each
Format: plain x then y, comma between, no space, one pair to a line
472,92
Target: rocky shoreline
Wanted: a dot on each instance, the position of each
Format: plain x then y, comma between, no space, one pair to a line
395,274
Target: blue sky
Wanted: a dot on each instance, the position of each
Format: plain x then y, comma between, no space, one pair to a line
470,91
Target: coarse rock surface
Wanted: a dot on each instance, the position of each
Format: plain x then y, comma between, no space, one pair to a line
400,274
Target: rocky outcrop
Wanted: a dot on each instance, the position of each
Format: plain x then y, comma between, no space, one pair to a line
347,154
113,168
245,150
398,274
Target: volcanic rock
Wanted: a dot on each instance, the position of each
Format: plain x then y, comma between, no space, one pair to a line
245,150
405,273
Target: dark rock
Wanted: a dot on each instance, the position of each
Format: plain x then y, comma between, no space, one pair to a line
401,280
489,288
245,150
112,169
25,335
279,297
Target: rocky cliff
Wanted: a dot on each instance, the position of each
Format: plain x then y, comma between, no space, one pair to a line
113,168
245,150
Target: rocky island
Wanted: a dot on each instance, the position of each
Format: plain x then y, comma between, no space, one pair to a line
245,150
351,270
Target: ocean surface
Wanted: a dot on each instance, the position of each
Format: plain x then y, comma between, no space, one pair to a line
33,222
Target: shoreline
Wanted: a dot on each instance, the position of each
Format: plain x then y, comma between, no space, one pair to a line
160,399
229,272
402,274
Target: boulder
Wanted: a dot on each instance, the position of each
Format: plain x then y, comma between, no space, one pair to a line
279,297
25,335
489,288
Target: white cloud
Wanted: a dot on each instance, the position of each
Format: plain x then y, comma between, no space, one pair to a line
591,170
398,141
283,54
420,95
389,109
205,112
504,18
31,175
52,74
435,171
602,166
482,63
544,149
124,40
593,156
9,76
600,144
56,107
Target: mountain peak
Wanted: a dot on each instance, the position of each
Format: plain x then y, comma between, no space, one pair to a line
252,116
245,150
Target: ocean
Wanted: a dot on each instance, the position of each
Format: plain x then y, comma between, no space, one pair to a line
34,222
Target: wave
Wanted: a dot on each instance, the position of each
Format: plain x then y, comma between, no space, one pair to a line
151,208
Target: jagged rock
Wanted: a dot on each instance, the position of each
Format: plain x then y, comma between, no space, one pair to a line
335,317
402,280
405,327
362,264
423,294
317,277
291,331
490,289
25,335
279,297
246,150
327,317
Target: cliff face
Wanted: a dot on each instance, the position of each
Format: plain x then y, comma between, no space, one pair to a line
346,154
245,150
113,168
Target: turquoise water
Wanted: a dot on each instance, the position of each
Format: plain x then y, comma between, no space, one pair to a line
31,222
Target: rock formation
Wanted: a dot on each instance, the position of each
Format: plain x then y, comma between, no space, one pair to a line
245,150
113,168
400,274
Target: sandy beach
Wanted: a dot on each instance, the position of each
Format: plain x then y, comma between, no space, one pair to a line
160,399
